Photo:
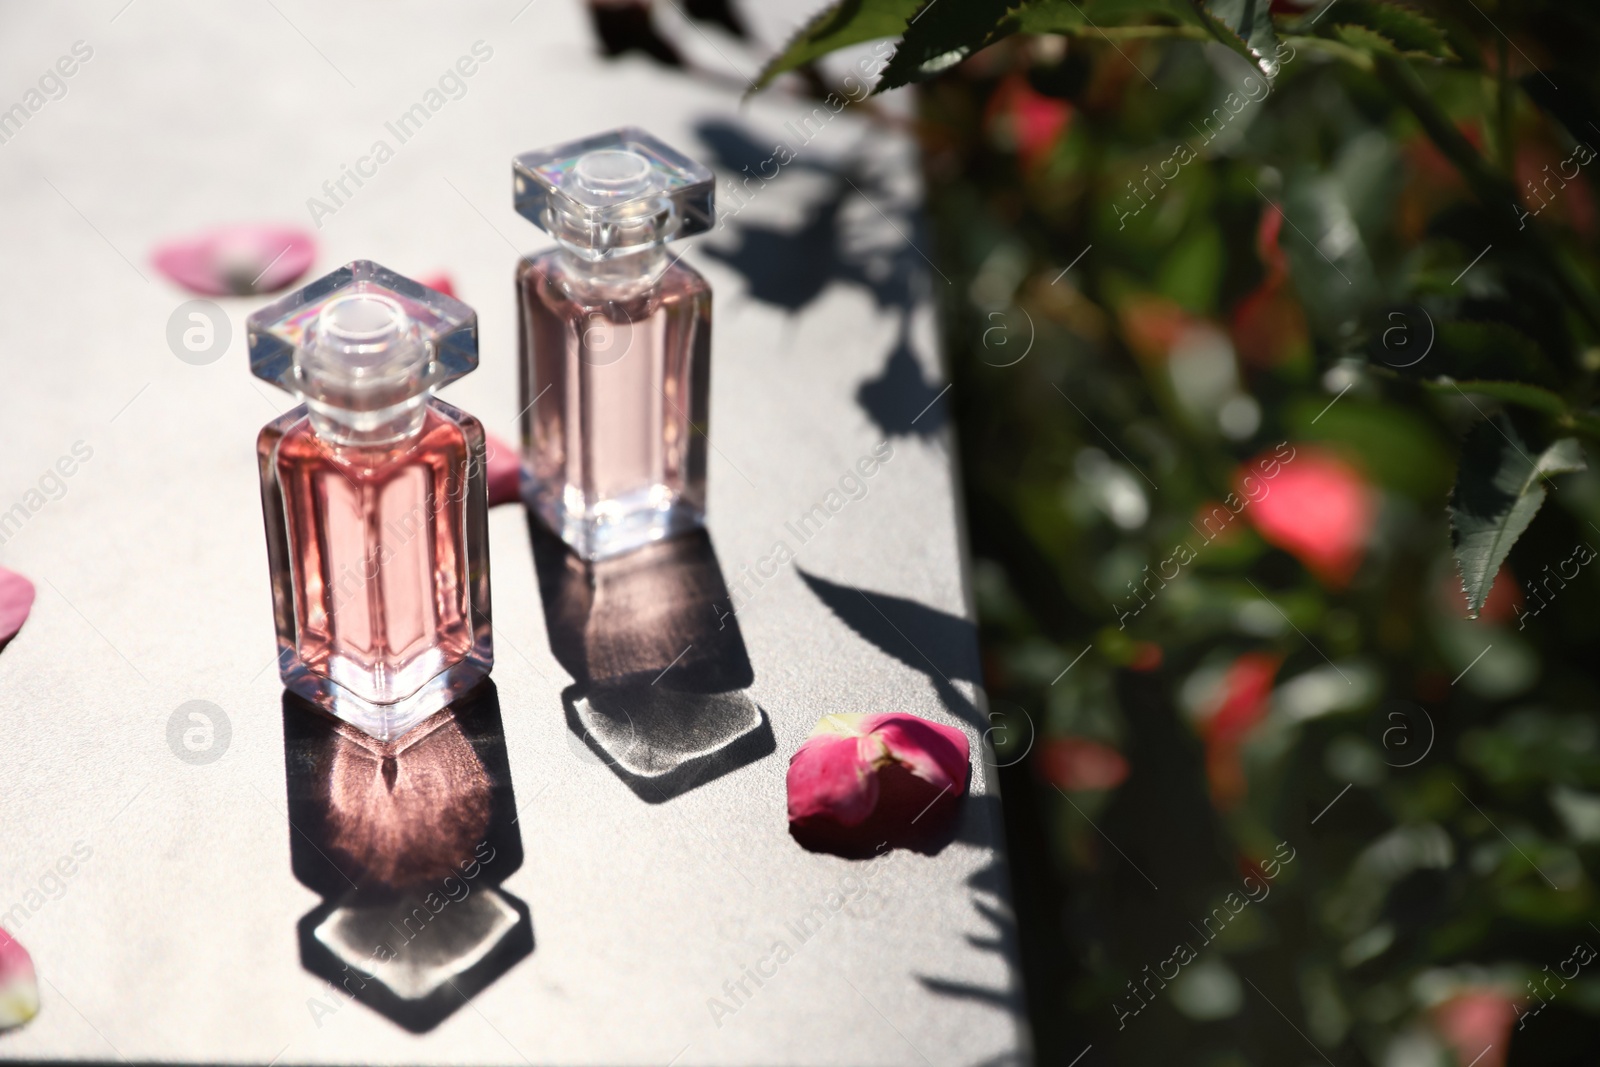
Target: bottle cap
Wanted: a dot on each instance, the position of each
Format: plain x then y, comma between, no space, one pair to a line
613,194
363,339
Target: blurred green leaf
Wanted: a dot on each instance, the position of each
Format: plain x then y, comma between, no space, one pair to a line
1246,27
837,26
1399,449
1520,393
1192,270
1389,29
941,35
1499,489
1067,16
1393,188
1532,746
1491,351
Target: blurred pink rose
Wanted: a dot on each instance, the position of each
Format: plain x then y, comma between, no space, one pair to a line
1476,1024
1021,118
1238,706
1077,764
1318,508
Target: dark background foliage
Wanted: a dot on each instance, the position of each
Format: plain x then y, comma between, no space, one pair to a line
1273,334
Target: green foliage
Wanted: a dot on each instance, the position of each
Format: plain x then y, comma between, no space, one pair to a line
1499,489
1387,261
942,35
837,26
1389,29
1246,27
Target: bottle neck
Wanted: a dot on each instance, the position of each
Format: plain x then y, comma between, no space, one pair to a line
363,371
385,428
616,278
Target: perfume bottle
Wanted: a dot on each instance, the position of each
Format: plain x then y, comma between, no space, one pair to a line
615,342
374,497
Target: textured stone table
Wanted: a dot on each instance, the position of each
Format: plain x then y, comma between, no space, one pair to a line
167,902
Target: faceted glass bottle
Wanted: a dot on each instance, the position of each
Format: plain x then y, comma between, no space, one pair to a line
615,343
374,497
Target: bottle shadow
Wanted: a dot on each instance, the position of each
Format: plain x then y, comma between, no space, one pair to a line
659,665
407,842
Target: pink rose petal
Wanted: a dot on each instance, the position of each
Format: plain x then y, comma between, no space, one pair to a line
860,780
504,471
237,260
16,600
439,283
829,779
936,754
19,987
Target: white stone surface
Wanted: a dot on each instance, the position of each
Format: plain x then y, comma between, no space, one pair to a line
175,940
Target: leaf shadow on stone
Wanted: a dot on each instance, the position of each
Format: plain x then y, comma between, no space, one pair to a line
900,401
990,888
942,646
791,268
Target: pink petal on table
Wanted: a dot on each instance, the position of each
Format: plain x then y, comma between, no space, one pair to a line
16,600
835,776
829,779
503,471
237,260
19,987
439,283
936,754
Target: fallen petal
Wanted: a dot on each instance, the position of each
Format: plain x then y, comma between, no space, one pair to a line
936,754
829,779
861,783
238,260
439,283
504,471
16,600
19,987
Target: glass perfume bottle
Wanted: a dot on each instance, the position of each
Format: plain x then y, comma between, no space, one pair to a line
615,342
374,496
